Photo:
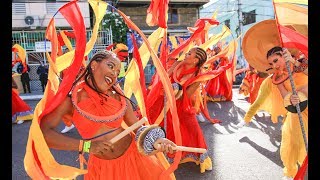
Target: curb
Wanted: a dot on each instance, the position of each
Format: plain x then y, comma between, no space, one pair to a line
32,97
38,97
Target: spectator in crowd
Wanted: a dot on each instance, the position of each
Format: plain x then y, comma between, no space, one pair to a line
42,71
24,70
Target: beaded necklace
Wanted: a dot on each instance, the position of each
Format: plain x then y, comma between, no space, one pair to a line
99,119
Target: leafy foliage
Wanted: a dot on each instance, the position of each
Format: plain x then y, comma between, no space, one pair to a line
118,26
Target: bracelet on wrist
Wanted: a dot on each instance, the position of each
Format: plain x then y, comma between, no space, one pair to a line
151,138
80,147
86,146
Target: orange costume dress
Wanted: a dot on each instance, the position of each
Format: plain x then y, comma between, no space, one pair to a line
220,88
191,132
250,85
132,164
20,109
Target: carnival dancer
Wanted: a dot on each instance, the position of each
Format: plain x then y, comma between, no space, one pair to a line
21,111
275,94
98,107
251,83
180,73
219,88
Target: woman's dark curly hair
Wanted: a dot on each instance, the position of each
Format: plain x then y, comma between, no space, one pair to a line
202,56
87,74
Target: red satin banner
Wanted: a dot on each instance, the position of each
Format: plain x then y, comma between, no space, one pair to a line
71,12
137,58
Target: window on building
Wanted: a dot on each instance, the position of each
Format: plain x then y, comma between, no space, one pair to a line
249,17
18,8
173,16
53,6
227,23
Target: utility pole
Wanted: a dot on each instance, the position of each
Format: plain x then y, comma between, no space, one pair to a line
240,27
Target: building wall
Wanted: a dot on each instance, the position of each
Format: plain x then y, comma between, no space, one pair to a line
227,9
40,11
174,1
187,17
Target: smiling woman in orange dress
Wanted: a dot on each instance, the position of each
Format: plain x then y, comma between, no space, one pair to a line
98,107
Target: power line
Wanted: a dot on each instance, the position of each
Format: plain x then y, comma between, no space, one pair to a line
240,26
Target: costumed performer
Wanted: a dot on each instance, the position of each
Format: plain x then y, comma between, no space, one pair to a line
251,83
219,88
180,72
275,94
21,111
98,108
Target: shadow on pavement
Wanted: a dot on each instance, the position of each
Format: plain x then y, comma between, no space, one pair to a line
265,152
231,115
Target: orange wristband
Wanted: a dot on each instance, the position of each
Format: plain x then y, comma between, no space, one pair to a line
80,146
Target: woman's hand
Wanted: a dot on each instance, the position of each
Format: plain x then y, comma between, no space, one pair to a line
287,55
294,99
101,148
164,145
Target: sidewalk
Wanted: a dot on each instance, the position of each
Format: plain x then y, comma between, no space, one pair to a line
37,95
34,95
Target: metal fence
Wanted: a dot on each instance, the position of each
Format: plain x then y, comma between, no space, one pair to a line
35,84
27,40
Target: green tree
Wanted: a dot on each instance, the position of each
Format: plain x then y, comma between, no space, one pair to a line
118,26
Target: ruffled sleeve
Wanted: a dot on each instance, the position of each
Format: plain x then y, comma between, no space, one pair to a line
269,99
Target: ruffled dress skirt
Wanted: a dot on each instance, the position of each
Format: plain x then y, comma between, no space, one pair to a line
20,109
191,134
132,165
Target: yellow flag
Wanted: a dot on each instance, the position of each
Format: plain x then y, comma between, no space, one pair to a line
293,16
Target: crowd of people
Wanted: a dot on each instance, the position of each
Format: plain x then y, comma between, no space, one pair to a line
96,106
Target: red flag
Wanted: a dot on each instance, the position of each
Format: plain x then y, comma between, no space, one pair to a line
302,171
198,29
71,12
293,39
137,58
157,13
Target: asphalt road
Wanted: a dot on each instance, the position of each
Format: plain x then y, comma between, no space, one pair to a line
247,153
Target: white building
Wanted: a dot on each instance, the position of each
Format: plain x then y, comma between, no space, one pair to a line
36,14
229,11
30,19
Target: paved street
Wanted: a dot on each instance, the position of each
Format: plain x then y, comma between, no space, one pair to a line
248,153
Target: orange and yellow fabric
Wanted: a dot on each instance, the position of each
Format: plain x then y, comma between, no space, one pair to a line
39,162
